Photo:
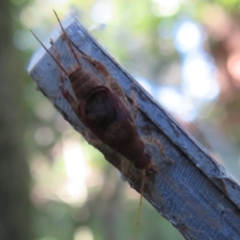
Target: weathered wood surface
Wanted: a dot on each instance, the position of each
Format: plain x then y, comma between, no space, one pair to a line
194,193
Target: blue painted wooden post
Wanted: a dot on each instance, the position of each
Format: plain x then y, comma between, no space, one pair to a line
194,193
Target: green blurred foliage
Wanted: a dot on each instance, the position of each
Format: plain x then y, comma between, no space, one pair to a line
143,41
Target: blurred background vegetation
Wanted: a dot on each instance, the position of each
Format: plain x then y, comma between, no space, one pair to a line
53,185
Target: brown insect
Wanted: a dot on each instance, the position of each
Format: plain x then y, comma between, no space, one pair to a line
104,110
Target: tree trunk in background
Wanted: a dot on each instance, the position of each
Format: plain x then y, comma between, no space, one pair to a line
14,176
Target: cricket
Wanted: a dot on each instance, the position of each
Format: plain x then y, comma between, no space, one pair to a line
104,109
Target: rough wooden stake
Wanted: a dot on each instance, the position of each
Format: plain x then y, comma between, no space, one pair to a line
195,193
